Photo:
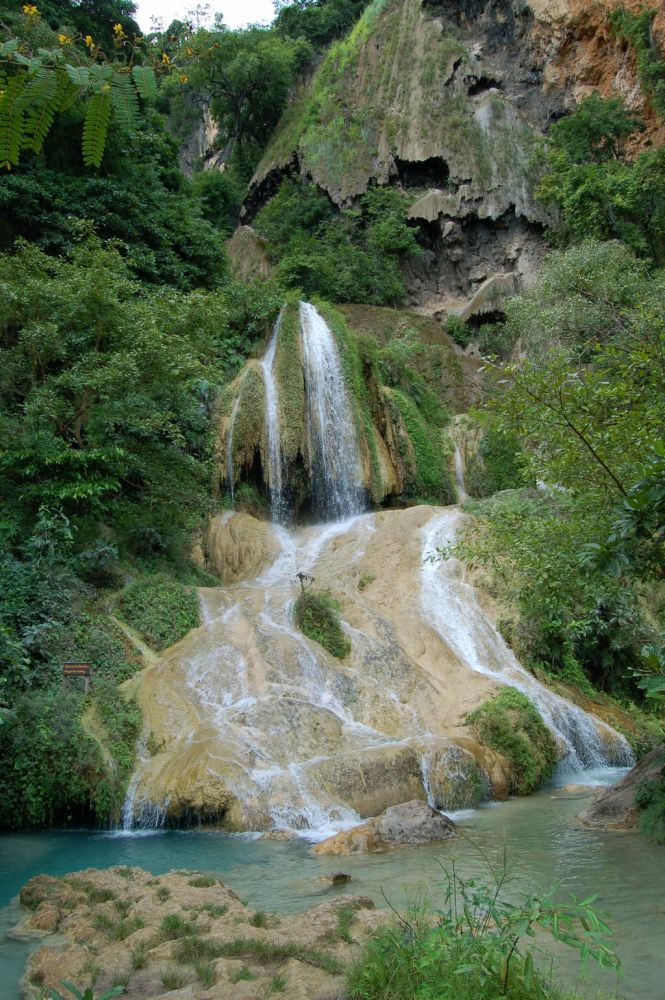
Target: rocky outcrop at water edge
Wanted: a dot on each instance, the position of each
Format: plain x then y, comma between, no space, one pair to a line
405,825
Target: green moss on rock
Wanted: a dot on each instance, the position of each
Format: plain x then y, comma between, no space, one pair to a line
317,617
512,725
430,479
290,379
249,426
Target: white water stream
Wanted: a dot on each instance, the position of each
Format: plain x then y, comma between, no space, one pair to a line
452,607
336,466
278,507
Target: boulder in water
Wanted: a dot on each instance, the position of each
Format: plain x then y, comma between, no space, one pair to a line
408,824
615,808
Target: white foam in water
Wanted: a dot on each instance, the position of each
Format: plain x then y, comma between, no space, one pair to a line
452,608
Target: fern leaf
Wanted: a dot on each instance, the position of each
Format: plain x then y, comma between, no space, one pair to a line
145,80
12,120
79,75
125,101
68,92
95,127
40,101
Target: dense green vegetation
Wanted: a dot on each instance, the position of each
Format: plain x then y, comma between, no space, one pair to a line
512,725
317,616
477,944
162,610
348,256
596,187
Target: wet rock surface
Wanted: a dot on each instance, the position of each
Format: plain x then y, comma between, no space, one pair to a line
614,808
408,824
183,934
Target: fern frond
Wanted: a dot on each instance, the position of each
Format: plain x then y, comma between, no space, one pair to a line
79,75
40,101
145,80
95,127
68,92
125,101
12,120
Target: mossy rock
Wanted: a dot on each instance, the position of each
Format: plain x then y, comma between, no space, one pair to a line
512,725
317,617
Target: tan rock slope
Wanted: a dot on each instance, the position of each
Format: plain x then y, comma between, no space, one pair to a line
253,726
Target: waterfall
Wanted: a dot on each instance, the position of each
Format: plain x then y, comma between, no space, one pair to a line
230,473
278,505
148,815
453,611
335,459
462,495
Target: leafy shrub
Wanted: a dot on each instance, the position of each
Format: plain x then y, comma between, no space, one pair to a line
317,616
512,725
496,465
348,256
475,949
162,610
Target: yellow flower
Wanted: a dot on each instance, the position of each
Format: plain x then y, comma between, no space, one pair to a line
189,50
89,41
64,39
117,30
30,9
183,78
165,59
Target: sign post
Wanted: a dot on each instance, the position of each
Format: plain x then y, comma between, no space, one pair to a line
77,669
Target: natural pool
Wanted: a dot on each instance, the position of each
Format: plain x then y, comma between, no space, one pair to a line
545,845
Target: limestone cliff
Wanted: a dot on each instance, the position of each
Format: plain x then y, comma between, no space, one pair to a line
447,99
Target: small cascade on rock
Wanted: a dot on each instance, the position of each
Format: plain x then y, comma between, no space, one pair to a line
230,472
335,457
278,506
462,495
453,611
141,813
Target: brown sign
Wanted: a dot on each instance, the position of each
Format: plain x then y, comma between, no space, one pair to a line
77,669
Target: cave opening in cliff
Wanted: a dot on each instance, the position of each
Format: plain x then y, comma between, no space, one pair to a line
431,173
484,84
488,318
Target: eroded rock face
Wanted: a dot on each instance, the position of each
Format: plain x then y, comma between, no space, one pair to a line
615,809
253,726
131,926
238,547
447,100
408,824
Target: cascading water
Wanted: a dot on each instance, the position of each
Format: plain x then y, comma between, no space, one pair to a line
462,495
454,612
230,472
278,506
337,471
259,725
137,812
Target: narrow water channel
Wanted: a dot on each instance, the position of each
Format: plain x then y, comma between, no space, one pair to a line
545,845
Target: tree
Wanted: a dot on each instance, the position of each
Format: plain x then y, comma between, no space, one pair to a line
249,75
599,191
586,398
